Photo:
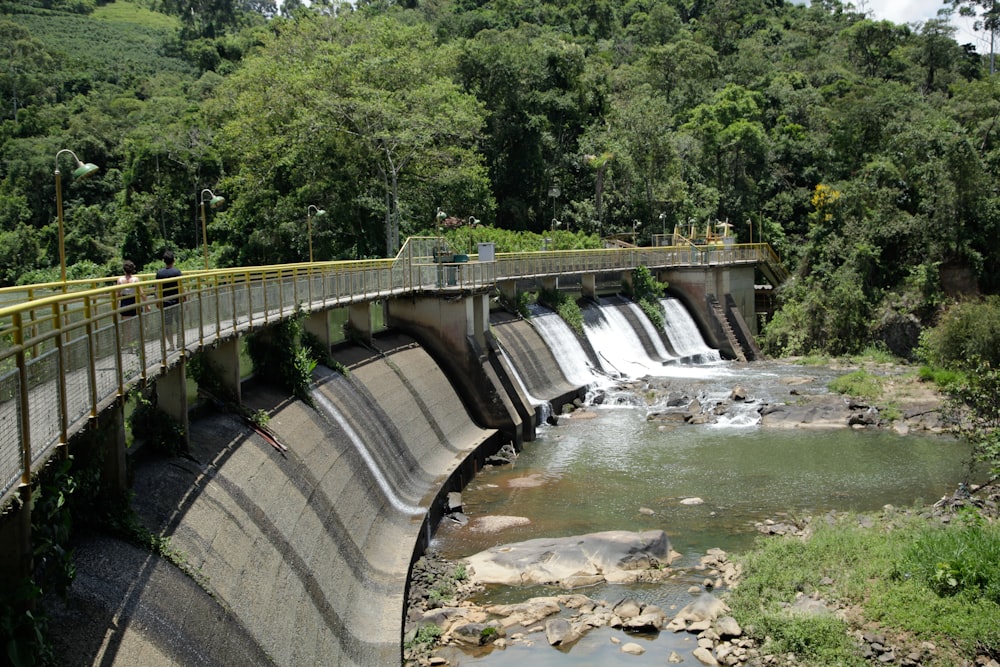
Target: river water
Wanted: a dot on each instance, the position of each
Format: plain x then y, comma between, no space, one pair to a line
609,471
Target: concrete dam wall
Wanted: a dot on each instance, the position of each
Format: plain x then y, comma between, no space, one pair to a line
297,558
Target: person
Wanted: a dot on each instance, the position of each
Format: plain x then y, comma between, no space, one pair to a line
170,297
130,295
129,302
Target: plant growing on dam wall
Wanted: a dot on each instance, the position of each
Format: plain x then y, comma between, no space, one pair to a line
646,291
153,426
567,308
279,355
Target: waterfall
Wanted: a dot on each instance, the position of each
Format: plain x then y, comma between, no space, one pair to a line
543,408
562,342
683,334
651,332
617,345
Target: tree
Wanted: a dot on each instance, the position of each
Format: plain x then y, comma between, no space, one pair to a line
365,99
987,19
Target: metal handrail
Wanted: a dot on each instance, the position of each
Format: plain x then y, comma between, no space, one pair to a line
66,354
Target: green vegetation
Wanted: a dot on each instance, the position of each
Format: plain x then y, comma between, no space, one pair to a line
859,384
899,578
279,355
566,306
426,636
156,428
967,331
960,561
862,151
647,292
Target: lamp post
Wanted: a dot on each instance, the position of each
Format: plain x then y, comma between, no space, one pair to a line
215,201
83,170
319,212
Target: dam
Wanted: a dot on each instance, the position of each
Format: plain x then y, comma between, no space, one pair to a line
302,556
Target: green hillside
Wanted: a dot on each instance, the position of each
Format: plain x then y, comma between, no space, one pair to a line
864,152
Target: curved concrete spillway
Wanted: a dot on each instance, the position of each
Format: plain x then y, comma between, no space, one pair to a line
299,558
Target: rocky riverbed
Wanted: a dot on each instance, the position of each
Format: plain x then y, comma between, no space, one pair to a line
909,405
444,625
441,591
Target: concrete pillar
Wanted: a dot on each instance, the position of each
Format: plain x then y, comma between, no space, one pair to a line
588,285
359,316
317,323
224,357
443,326
627,279
171,396
114,469
550,283
479,318
15,542
508,288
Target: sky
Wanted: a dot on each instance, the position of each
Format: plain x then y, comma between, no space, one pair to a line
912,11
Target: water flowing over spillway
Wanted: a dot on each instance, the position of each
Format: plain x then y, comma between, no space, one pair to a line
683,334
543,407
651,333
572,358
618,348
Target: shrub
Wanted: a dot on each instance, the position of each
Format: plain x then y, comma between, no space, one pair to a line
974,407
278,354
646,291
859,383
967,331
963,560
567,308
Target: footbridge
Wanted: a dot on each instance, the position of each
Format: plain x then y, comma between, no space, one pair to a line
68,356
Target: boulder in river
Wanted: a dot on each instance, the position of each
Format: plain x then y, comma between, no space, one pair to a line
616,556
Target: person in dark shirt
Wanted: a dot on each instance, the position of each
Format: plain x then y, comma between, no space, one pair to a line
170,297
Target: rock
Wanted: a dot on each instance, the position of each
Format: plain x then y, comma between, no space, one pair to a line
454,502
496,523
559,632
646,622
613,556
728,627
627,608
692,501
738,394
469,634
632,649
675,658
704,656
646,511
525,613
706,607
806,606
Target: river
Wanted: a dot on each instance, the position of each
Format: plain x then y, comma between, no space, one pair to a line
617,470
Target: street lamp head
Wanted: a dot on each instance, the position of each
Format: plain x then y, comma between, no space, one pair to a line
214,201
315,210
83,169
441,215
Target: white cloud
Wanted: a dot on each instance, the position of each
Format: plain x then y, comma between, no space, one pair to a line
918,11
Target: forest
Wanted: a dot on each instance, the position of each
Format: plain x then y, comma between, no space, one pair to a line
865,152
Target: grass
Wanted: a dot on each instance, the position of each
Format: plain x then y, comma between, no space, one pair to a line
889,575
859,383
127,12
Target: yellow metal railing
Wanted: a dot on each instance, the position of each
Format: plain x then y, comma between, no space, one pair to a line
68,352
